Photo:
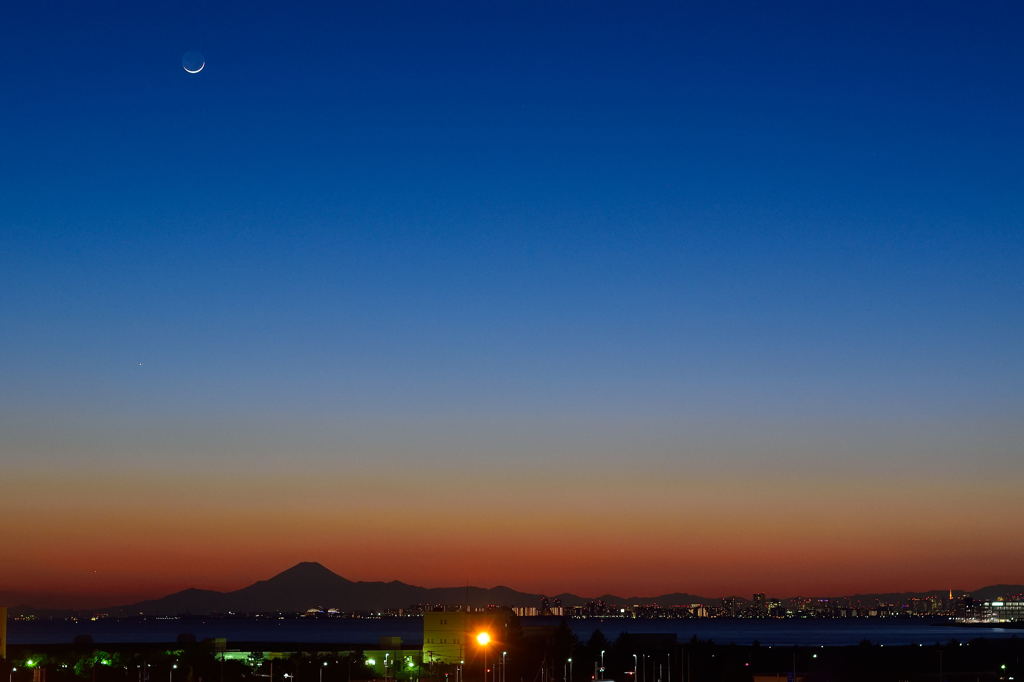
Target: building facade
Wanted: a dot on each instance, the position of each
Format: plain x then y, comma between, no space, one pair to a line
451,636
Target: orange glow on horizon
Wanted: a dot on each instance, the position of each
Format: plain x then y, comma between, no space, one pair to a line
117,541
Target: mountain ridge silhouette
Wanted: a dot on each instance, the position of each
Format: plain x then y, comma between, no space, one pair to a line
310,584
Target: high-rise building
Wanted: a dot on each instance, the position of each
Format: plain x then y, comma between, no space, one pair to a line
758,605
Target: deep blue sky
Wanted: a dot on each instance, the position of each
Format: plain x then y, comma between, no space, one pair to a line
705,243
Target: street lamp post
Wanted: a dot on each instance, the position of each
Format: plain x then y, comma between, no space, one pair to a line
634,668
503,655
170,673
570,670
322,671
483,639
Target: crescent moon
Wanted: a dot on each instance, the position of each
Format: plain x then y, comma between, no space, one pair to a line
201,67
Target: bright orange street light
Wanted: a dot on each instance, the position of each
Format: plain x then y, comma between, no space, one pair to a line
483,638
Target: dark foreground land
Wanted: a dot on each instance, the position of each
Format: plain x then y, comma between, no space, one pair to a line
638,658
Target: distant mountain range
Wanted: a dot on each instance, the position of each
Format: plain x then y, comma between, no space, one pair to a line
309,584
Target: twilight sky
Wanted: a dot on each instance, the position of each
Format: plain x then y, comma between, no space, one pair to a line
559,295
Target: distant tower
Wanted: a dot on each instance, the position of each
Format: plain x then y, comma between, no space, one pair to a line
3,632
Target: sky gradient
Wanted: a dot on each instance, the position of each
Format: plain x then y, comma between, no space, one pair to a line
563,296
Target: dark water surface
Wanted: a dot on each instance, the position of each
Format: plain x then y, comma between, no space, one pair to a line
368,631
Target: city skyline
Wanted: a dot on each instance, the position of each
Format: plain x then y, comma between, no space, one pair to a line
572,298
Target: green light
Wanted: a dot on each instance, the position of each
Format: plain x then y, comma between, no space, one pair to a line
411,665
371,661
105,661
30,663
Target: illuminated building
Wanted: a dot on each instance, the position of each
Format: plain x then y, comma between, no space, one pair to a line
996,612
758,606
450,636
